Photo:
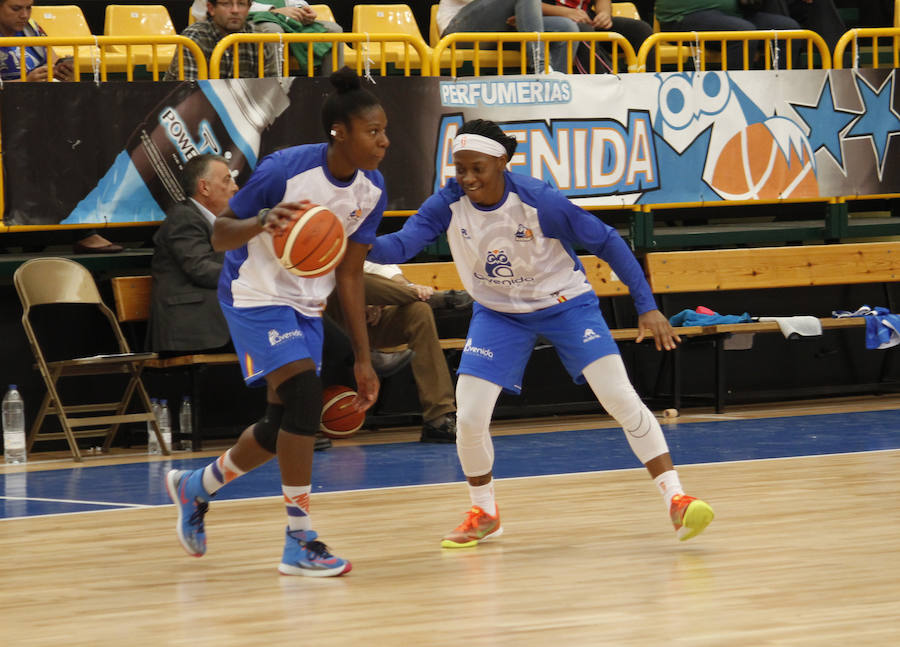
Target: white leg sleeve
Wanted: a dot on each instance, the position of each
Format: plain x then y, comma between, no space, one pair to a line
610,383
475,400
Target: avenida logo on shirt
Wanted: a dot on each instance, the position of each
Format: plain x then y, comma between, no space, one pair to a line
498,265
498,270
276,337
524,234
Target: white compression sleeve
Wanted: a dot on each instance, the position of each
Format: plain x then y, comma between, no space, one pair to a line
610,383
475,400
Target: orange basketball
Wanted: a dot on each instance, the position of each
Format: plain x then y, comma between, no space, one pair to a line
766,161
339,419
313,244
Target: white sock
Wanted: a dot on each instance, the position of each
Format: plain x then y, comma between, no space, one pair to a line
483,497
220,472
668,485
296,500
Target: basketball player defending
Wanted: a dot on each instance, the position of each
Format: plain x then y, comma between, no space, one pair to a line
513,238
275,317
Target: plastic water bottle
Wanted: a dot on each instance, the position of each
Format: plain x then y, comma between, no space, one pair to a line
152,442
13,426
186,420
165,425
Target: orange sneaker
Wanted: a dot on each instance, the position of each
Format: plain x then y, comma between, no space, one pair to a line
690,516
478,526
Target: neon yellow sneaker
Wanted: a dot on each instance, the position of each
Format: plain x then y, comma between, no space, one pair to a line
478,526
690,516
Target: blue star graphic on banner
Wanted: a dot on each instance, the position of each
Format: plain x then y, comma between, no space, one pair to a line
825,123
879,121
675,185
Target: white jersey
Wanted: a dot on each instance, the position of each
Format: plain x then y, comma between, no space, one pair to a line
519,255
252,275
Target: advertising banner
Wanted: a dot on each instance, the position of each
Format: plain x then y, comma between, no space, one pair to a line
85,153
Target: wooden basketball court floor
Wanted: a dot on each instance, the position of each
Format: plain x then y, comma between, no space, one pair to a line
805,548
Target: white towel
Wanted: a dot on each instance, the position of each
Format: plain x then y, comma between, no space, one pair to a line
798,326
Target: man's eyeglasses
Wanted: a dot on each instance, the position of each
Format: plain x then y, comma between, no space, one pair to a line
233,3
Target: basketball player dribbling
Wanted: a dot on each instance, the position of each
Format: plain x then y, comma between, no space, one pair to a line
275,317
513,239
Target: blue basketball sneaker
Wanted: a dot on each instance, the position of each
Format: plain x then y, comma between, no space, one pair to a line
185,488
304,555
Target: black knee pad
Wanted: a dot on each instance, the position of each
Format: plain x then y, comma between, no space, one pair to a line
266,430
302,399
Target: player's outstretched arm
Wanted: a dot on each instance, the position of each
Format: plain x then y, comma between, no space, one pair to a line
654,323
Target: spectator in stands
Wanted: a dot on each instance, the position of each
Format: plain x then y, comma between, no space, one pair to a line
15,20
722,15
400,312
225,17
506,15
528,288
287,16
820,16
185,316
596,15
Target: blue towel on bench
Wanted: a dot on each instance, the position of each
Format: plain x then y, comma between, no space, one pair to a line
693,318
882,327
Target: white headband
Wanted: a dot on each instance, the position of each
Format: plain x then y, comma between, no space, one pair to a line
479,143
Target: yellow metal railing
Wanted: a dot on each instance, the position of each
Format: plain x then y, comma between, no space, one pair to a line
693,45
852,38
448,54
110,54
371,52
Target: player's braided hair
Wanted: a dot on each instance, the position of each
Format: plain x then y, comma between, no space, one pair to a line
348,99
491,130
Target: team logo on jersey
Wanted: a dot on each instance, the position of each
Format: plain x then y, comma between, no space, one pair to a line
477,350
276,337
355,215
524,234
589,335
498,265
465,234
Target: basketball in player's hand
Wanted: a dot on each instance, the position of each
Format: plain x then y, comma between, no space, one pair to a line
339,418
313,244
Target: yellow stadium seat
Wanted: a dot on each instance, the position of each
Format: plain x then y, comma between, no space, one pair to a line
142,20
69,20
624,10
388,19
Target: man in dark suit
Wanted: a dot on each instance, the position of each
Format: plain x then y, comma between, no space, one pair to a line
184,311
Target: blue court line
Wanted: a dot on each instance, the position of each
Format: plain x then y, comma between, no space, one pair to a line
408,464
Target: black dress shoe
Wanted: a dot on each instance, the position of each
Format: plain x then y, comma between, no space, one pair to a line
386,364
110,248
445,432
322,443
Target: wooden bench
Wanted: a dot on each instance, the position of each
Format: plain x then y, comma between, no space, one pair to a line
771,268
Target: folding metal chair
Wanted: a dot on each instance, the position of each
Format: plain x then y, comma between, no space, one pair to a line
46,281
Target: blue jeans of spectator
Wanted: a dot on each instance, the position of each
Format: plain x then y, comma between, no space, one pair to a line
714,20
491,15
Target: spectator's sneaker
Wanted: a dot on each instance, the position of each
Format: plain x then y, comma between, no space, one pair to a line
322,442
690,516
304,555
478,526
444,432
185,488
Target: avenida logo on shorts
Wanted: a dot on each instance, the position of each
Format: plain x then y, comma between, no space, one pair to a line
484,352
589,335
276,337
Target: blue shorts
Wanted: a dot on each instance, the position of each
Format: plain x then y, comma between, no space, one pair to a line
499,344
269,337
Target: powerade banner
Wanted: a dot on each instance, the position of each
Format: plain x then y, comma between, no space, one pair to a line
115,151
